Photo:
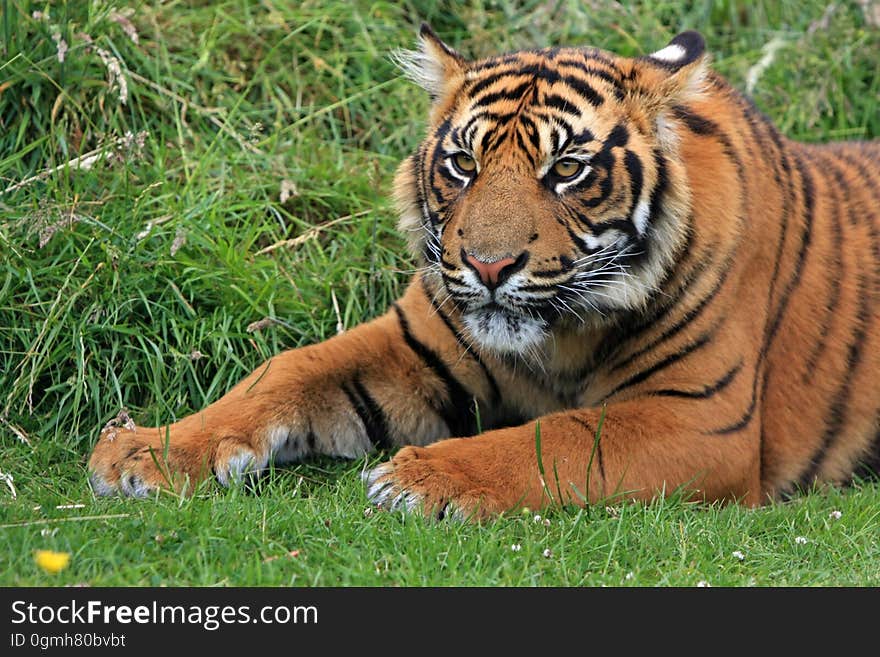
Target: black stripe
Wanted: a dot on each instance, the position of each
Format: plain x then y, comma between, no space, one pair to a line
597,55
583,137
515,93
702,126
578,241
665,362
562,104
872,183
660,188
448,279
457,409
371,414
448,265
498,62
532,131
741,423
490,140
495,395
524,148
550,273
619,224
619,136
582,89
839,405
537,287
695,123
612,79
560,126
499,118
631,326
633,165
782,176
447,175
437,153
838,411
686,319
808,191
602,161
577,85
491,79
707,391
835,277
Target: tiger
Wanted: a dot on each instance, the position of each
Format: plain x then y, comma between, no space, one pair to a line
628,284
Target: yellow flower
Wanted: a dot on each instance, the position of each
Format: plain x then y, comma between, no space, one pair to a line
51,562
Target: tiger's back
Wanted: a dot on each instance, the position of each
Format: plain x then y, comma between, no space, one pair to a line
821,401
800,277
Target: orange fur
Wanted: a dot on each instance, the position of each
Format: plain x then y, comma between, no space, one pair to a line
703,286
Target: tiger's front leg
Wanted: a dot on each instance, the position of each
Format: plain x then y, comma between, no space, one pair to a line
647,448
397,380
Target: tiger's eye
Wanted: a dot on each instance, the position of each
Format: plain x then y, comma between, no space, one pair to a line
464,162
567,168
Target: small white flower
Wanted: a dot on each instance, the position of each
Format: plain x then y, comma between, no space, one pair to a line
547,553
537,518
629,575
738,555
800,540
703,584
835,515
368,512
61,46
546,522
516,547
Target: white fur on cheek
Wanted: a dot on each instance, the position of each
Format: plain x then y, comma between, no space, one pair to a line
641,215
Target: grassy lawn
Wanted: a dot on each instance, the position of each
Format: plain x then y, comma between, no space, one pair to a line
198,186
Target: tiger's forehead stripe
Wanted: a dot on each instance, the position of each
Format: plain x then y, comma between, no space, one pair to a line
572,66
526,78
554,85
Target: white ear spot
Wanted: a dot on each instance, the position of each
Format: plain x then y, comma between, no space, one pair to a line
672,54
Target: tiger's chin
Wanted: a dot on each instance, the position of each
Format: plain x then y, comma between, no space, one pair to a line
504,332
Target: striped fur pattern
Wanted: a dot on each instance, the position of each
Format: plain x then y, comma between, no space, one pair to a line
602,239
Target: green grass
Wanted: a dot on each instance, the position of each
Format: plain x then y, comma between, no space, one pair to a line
133,283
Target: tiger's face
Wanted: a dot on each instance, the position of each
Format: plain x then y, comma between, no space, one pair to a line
548,192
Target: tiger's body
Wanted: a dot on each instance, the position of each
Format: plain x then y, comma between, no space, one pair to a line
624,241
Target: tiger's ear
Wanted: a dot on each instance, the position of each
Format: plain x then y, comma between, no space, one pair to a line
677,71
435,66
685,49
674,75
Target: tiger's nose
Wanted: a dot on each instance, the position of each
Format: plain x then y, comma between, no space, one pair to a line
496,272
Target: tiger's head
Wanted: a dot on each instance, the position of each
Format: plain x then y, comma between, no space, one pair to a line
549,190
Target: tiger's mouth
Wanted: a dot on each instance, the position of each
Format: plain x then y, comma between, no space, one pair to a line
504,329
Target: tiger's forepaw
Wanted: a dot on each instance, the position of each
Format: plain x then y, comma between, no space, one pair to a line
136,461
421,480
